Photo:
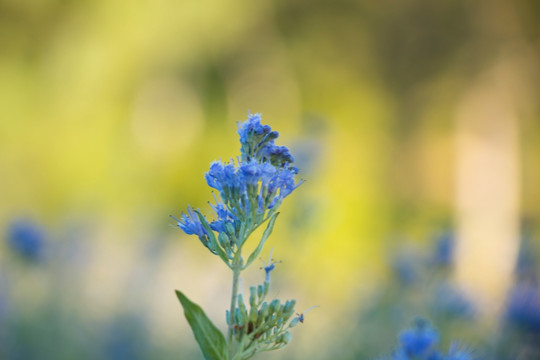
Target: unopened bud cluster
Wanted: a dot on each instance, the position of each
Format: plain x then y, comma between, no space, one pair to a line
264,326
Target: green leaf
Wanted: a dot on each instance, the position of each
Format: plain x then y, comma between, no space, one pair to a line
209,338
255,254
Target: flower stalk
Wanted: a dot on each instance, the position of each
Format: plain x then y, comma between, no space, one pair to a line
234,294
251,190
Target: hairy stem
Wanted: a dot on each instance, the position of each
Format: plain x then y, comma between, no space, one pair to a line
237,268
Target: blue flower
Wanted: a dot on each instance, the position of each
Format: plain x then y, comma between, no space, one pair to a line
252,130
222,177
284,181
225,222
26,239
191,224
523,307
254,136
444,250
257,142
419,340
276,155
269,266
419,343
250,173
250,190
261,182
267,173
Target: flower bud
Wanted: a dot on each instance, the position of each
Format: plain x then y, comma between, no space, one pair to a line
237,316
253,314
252,296
243,309
264,310
224,240
289,306
286,338
229,228
274,306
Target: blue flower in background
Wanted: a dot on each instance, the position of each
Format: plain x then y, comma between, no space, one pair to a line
523,307
420,339
419,343
443,254
27,239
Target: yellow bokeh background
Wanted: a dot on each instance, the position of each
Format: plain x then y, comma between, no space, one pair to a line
111,111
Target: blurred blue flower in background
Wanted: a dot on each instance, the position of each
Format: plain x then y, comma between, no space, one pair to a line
443,254
523,307
420,343
27,239
420,339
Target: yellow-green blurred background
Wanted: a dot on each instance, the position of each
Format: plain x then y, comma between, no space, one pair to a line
406,118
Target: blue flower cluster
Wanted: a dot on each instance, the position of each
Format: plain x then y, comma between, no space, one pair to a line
26,239
258,143
251,190
420,342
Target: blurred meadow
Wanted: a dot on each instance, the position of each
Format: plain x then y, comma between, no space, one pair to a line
416,125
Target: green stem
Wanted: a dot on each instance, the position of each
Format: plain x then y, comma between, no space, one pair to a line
237,268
